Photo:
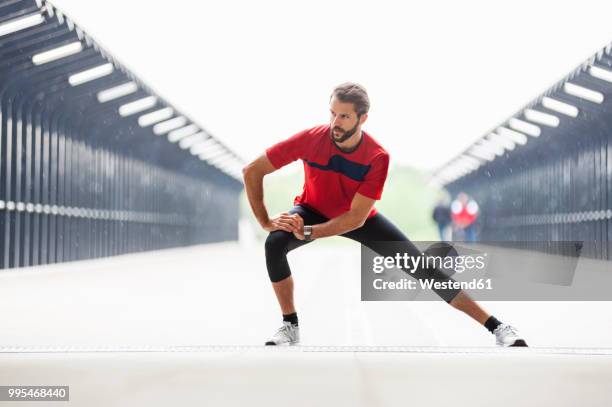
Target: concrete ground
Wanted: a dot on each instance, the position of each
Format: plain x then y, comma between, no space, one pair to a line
191,321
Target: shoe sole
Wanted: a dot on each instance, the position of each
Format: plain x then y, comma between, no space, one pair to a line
519,343
274,344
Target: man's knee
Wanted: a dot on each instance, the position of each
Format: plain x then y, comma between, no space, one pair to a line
276,250
276,242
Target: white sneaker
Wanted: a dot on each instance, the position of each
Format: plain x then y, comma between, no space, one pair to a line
288,334
507,335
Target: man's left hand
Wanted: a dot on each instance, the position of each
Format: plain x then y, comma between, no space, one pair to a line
299,226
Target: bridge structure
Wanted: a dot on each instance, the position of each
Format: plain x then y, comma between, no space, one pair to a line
545,173
122,268
93,162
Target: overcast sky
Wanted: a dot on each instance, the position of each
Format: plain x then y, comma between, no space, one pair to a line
439,73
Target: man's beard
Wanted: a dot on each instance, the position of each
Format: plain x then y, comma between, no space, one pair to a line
347,134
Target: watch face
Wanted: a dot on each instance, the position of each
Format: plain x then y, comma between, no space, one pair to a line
307,231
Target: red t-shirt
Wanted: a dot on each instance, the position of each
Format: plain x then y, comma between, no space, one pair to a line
331,176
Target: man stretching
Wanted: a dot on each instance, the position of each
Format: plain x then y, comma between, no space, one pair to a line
345,170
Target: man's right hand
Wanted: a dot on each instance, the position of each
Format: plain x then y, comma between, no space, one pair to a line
286,222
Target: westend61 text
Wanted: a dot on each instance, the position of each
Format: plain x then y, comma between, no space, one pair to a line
407,284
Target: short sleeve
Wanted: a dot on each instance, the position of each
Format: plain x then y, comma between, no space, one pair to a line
289,150
372,185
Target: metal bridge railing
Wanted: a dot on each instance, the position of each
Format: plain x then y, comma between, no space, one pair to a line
93,163
545,174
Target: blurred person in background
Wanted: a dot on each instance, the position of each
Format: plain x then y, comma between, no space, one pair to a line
464,212
442,216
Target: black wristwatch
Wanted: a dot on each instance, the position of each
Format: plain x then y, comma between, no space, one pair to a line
308,233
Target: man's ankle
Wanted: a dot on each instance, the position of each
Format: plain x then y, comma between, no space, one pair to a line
293,318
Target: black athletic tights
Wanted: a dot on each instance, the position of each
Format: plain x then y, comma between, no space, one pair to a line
373,234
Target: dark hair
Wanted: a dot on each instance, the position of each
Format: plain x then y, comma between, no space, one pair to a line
353,93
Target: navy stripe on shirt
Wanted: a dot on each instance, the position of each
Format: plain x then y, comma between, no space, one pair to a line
337,163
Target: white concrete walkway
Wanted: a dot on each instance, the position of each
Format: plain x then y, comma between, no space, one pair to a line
145,324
